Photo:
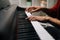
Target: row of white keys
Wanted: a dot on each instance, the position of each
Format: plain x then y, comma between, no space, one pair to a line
42,33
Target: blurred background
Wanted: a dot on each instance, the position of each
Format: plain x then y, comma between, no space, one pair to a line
27,3
10,12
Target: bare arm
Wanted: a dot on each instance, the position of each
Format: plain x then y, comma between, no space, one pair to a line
54,20
45,18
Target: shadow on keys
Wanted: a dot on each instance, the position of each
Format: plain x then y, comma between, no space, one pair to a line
49,26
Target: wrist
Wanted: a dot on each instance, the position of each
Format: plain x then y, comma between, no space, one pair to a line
48,18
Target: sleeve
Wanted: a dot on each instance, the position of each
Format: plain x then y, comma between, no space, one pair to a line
52,11
49,12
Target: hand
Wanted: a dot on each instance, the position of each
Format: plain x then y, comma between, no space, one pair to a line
32,9
39,18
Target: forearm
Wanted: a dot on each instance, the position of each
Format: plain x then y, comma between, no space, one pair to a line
54,20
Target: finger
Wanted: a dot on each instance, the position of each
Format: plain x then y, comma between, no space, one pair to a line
33,10
30,9
32,18
26,18
27,9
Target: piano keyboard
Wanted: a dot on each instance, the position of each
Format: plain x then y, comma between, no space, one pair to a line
25,30
30,30
42,33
